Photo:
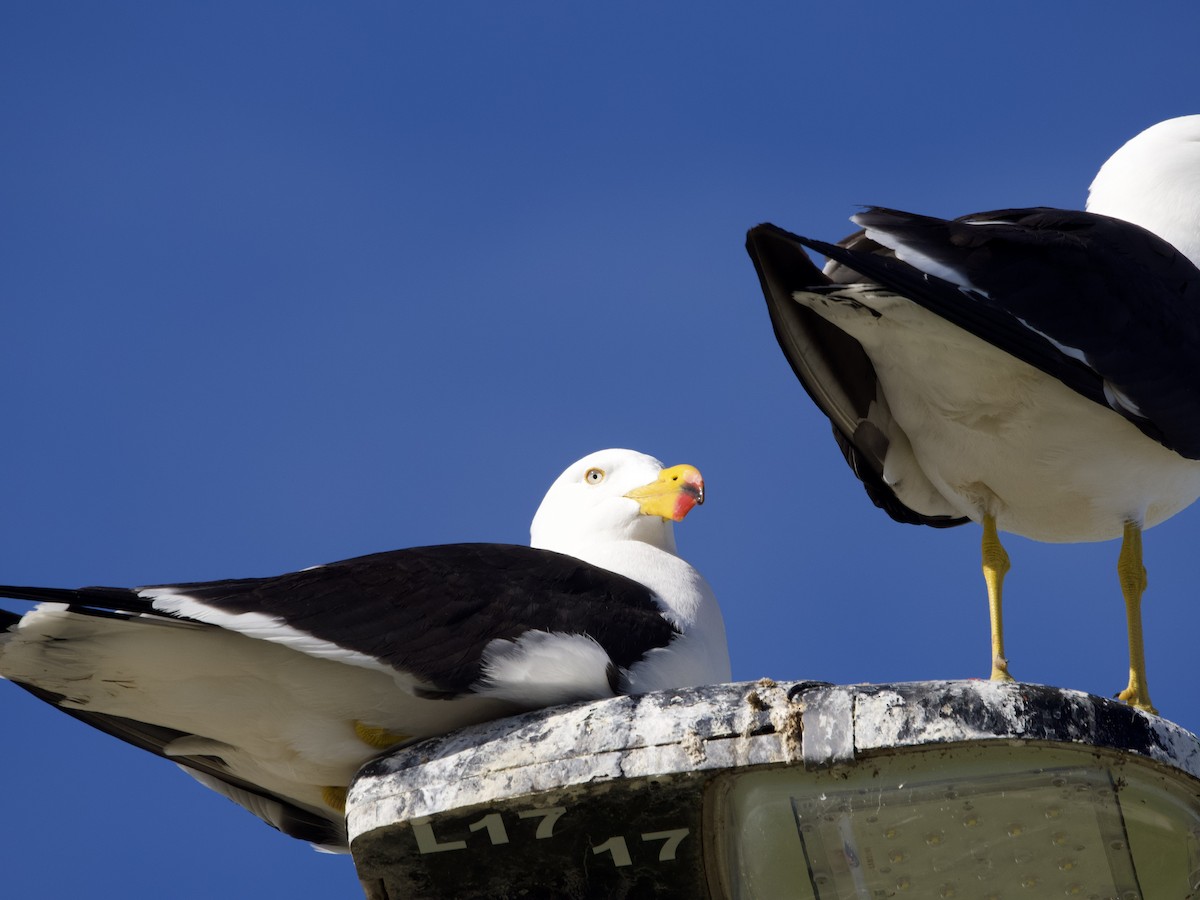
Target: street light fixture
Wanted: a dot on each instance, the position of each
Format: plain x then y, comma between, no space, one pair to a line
765,791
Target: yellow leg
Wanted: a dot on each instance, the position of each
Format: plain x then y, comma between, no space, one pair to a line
1133,584
335,798
379,738
995,567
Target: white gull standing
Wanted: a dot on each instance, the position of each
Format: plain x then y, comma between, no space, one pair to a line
1033,370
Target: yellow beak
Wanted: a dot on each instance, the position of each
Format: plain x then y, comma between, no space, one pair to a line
672,495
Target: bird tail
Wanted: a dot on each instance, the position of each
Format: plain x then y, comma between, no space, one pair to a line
55,652
117,600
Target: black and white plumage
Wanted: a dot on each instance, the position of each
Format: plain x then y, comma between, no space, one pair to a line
1034,370
273,691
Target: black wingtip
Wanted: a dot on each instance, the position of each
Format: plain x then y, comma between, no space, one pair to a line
98,600
831,366
780,260
38,594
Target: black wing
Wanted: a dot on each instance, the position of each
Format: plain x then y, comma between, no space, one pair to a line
1106,307
428,611
832,366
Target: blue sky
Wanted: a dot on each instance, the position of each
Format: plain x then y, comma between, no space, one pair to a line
288,282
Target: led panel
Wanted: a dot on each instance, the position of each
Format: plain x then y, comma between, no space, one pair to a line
1049,834
980,823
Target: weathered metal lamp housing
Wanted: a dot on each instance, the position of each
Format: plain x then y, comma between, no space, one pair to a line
765,791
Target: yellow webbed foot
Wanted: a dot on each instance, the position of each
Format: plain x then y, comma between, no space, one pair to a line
335,798
1137,696
379,738
1000,670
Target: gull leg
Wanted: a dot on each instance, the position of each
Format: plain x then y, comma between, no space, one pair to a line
378,738
335,798
995,567
1133,584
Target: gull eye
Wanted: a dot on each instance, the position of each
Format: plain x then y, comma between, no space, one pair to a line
594,476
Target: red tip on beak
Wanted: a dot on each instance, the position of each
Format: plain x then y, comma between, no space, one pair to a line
672,495
691,492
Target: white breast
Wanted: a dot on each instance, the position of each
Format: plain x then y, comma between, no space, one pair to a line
993,434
